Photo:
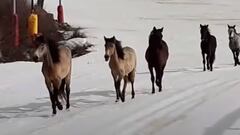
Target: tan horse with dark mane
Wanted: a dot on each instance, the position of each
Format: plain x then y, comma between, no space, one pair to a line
56,68
122,64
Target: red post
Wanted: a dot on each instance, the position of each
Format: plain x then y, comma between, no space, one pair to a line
60,13
15,25
16,30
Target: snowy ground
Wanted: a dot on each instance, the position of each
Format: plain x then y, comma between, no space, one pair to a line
192,102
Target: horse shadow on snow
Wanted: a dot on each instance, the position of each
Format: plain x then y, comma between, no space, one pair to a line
42,109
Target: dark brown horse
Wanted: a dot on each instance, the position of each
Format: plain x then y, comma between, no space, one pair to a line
208,47
157,56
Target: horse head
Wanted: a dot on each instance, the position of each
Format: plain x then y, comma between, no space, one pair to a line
157,32
231,31
204,32
41,47
109,47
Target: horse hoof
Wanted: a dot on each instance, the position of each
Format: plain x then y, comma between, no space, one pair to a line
116,100
67,107
54,112
60,107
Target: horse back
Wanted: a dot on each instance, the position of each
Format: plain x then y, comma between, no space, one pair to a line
63,68
210,45
130,58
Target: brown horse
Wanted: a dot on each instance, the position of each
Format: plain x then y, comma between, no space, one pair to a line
156,56
56,68
122,64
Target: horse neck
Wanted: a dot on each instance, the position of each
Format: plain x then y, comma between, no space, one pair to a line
208,37
236,35
155,42
48,59
114,59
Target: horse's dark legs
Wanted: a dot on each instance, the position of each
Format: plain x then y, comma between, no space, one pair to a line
131,78
53,102
117,93
204,61
118,89
235,58
51,94
62,89
152,78
68,81
211,60
124,88
237,54
55,95
208,62
117,84
159,75
56,90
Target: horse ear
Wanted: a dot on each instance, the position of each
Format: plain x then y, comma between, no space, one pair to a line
105,38
161,29
114,37
234,26
201,25
228,26
154,28
207,25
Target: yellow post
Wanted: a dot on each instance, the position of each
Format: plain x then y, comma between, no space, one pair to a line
33,24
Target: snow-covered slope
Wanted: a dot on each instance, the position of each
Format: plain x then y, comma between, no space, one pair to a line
192,102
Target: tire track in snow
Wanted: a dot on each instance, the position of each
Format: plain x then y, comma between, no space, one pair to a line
192,97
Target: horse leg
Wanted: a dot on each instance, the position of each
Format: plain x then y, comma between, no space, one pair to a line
56,86
237,54
131,78
118,85
208,62
124,88
234,57
159,75
50,90
117,93
68,91
62,89
204,61
152,78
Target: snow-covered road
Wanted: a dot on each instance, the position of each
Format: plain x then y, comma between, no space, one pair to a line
192,102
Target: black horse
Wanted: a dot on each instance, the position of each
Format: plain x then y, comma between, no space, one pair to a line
208,47
156,56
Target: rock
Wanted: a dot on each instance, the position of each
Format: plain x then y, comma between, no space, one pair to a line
74,42
68,35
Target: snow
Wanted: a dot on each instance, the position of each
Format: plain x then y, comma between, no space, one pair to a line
192,102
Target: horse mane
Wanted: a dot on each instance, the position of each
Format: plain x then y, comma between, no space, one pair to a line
119,49
54,51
